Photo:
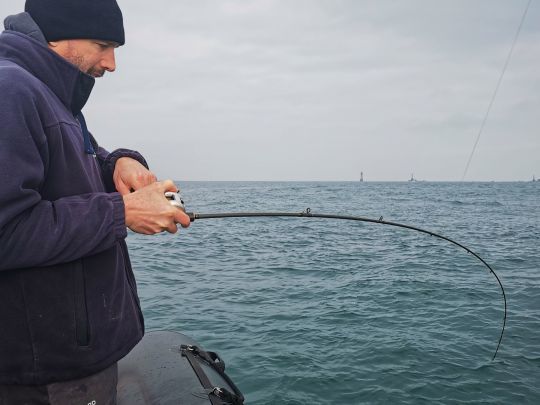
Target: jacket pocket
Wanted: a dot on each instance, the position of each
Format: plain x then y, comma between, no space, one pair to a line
82,331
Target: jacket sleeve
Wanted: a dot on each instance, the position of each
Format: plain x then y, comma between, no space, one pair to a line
107,161
37,232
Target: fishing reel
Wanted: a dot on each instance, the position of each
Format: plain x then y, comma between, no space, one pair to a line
175,199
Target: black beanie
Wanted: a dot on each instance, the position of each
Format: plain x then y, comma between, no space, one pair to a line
78,19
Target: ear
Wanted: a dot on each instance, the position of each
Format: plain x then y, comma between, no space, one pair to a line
52,44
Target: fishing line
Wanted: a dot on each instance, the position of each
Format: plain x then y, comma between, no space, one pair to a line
309,214
496,89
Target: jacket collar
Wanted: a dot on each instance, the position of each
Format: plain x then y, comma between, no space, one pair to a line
70,85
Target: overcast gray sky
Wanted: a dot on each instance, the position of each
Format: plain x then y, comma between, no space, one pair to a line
323,89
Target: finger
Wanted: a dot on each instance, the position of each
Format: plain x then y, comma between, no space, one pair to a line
182,218
172,228
137,180
168,185
122,188
145,179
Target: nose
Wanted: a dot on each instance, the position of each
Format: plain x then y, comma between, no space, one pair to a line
109,62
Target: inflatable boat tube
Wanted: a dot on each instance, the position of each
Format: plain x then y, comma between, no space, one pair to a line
171,368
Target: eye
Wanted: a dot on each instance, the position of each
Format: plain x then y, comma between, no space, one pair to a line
102,45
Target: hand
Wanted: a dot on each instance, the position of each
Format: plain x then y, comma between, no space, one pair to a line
149,212
130,175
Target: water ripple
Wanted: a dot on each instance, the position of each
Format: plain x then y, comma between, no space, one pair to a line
327,312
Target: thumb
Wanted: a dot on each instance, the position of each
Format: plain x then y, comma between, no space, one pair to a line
122,188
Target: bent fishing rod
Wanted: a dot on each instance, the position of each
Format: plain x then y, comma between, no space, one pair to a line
176,200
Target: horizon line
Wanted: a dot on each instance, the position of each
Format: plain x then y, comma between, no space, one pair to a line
358,181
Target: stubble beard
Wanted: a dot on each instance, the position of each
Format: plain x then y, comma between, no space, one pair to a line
79,61
95,72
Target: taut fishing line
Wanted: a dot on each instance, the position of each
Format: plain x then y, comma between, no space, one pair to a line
176,200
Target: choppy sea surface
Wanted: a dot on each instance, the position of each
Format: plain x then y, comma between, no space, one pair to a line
317,311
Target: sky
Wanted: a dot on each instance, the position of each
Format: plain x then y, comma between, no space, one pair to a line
302,90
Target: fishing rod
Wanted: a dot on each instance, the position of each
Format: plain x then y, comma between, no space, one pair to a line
176,200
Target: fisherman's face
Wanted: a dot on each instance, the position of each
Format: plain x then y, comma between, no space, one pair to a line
91,56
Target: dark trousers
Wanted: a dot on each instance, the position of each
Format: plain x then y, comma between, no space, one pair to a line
97,389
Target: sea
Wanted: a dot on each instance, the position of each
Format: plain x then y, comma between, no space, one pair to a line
325,311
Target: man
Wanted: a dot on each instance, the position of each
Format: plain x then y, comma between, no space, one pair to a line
69,309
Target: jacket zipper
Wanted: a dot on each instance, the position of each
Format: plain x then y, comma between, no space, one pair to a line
81,310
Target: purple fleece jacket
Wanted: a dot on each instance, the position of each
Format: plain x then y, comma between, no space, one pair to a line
68,299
